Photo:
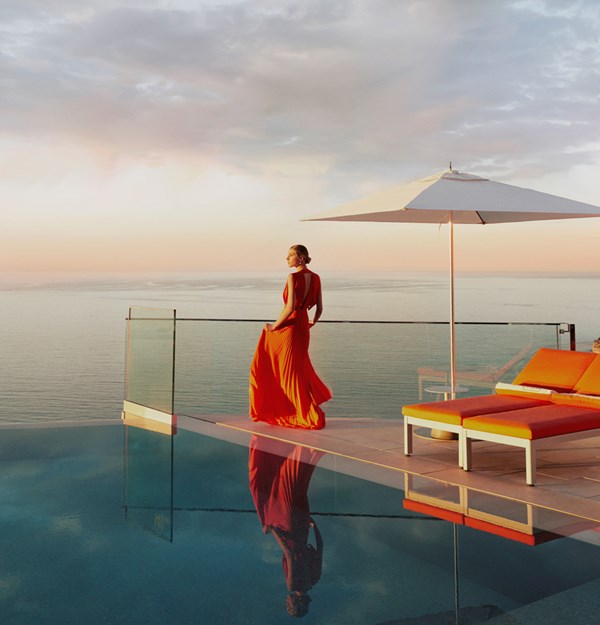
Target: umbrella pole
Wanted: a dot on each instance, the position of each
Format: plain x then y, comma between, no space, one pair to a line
452,337
442,434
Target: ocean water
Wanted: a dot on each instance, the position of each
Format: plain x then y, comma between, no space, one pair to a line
63,338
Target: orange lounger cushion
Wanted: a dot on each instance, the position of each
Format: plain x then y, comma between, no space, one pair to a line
455,410
589,382
557,369
537,422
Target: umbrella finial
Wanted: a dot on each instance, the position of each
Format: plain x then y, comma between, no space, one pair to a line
450,166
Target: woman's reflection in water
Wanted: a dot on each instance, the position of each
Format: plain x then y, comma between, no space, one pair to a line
279,477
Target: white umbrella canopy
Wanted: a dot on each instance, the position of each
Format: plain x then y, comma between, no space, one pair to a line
452,196
455,197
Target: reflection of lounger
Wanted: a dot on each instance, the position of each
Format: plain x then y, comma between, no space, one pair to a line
486,377
516,520
563,389
528,538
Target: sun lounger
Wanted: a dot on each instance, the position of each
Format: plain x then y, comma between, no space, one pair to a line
449,416
573,412
530,428
556,396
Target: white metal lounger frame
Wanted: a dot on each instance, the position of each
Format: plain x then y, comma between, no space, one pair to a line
463,444
409,422
530,446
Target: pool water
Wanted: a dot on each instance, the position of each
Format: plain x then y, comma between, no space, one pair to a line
107,524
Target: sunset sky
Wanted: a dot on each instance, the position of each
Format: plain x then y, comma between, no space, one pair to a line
192,135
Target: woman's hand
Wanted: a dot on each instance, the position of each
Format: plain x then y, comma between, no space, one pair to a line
268,327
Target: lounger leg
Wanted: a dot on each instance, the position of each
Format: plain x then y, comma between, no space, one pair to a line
467,452
408,428
461,444
530,464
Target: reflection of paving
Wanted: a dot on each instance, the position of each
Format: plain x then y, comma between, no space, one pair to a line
568,477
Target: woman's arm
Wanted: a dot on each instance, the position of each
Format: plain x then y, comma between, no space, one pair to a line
289,305
281,541
319,307
318,538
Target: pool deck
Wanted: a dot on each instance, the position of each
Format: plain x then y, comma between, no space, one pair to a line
568,475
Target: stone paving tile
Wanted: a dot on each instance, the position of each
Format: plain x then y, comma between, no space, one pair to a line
592,473
576,457
579,487
401,462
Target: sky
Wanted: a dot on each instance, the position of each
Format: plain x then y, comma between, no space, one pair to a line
189,136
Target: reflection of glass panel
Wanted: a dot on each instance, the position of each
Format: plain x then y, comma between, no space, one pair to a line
373,368
148,489
523,517
434,492
150,358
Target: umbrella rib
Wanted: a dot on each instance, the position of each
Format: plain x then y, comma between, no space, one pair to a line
480,217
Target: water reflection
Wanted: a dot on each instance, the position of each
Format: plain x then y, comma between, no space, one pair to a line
148,476
279,475
508,518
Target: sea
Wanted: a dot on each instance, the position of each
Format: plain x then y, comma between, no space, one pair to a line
63,338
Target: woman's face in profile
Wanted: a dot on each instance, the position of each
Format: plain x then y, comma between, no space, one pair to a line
293,258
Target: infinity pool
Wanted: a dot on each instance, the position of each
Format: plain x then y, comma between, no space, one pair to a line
113,524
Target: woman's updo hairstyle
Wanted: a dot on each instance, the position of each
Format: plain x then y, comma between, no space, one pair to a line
303,252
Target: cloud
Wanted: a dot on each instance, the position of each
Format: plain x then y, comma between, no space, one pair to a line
362,83
314,102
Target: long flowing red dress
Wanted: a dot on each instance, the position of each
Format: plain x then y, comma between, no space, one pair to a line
284,387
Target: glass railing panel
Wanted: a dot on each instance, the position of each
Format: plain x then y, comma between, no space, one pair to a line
485,354
213,360
373,368
150,358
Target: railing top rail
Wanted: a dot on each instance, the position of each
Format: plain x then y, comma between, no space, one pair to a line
140,313
477,323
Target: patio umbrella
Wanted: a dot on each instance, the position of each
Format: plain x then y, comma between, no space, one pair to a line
455,197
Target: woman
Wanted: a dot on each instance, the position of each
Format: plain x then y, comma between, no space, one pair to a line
284,388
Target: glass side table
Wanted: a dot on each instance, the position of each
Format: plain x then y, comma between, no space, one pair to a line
446,391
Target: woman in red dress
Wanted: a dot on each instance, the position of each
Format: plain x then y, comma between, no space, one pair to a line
284,388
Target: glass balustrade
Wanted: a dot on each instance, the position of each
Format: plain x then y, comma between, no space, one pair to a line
150,359
373,368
